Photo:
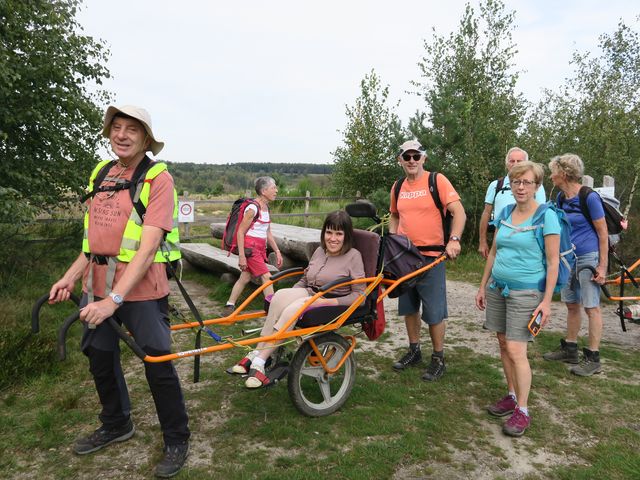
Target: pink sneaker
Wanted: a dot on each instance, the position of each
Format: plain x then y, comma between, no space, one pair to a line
517,424
502,407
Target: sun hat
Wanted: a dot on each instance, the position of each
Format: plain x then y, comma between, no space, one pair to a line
139,114
411,145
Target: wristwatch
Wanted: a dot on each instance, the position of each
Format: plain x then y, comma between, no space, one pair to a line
117,299
454,238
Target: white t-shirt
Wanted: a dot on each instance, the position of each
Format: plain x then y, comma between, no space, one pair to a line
260,227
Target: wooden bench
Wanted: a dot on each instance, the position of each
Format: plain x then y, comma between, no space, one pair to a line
296,243
213,259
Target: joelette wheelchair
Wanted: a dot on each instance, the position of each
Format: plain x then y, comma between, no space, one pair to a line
322,370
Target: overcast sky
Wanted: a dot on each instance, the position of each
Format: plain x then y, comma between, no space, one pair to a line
269,80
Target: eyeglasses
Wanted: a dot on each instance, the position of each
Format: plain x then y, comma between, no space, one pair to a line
526,183
408,156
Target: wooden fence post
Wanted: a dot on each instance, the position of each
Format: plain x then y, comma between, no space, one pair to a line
306,208
609,181
587,180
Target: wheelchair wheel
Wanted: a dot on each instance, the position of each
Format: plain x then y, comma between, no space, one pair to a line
314,392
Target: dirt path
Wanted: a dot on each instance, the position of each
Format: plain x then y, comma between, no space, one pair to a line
464,325
463,330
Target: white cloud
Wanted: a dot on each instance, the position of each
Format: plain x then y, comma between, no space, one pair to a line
268,80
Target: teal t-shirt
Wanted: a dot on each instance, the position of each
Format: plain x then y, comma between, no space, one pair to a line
519,260
505,197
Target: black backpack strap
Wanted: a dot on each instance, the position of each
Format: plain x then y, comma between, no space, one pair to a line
136,184
499,188
582,198
97,182
435,195
253,201
396,189
433,188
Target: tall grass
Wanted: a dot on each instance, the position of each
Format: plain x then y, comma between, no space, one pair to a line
28,268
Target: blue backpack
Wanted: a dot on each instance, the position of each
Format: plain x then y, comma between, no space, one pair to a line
567,249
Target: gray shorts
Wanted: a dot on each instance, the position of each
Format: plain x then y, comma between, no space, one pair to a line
147,321
430,292
581,289
511,315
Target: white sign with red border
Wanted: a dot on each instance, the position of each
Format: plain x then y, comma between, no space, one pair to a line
186,212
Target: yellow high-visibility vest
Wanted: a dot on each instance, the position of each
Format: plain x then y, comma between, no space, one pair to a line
169,249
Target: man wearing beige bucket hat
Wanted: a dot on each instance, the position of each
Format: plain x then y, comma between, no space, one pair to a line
123,271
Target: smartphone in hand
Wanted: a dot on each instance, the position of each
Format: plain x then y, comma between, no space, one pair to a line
535,324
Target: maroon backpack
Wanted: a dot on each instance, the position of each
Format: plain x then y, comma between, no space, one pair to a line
230,235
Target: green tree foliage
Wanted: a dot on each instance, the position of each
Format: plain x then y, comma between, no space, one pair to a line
366,160
49,121
596,113
235,178
473,111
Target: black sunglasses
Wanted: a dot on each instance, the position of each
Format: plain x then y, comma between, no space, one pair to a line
408,156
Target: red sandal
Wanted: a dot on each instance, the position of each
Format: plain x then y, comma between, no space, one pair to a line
240,368
257,379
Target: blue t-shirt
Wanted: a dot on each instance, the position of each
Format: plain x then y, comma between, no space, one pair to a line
505,197
583,236
519,259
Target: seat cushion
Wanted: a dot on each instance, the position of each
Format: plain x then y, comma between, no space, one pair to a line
324,315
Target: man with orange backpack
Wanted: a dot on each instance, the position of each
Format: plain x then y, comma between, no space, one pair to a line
427,209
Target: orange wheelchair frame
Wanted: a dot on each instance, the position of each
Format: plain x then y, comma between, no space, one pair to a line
324,361
622,279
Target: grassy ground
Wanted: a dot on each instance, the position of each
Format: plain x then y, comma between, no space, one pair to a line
392,426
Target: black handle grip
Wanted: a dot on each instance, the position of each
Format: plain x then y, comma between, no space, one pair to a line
35,311
276,276
62,334
603,287
126,338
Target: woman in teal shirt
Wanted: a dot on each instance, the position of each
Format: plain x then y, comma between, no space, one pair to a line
511,285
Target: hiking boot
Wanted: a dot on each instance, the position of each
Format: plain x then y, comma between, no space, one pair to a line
412,357
103,437
502,407
228,310
435,370
589,365
173,460
517,424
567,353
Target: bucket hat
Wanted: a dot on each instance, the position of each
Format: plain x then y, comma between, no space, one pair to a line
139,114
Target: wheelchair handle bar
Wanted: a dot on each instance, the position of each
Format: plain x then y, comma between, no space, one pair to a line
35,311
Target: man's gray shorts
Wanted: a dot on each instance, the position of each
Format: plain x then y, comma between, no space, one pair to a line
430,292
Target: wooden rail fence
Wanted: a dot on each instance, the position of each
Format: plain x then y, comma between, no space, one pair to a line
185,231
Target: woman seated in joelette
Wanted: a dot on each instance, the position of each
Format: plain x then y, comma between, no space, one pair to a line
334,258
